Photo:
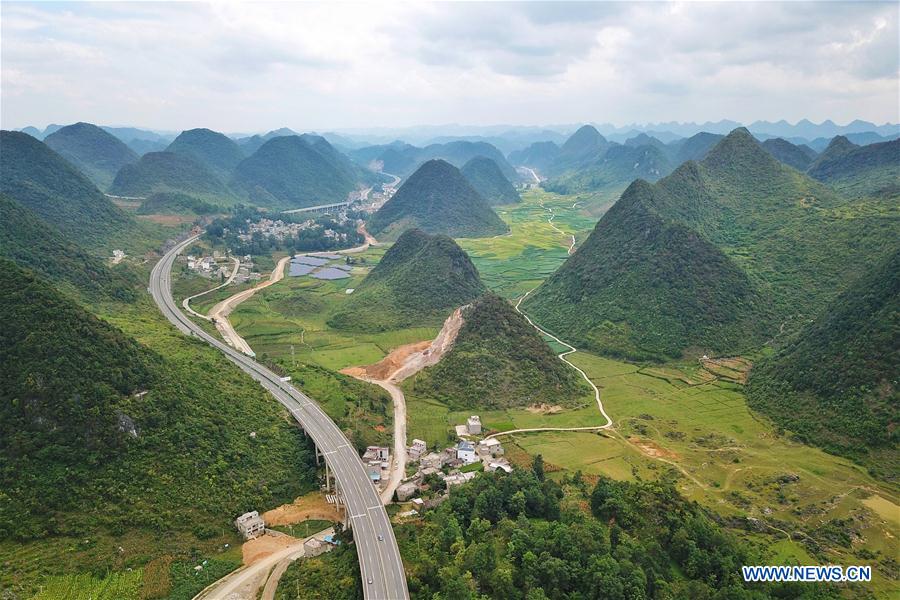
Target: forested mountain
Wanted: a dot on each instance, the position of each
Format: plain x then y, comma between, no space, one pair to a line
170,172
102,438
96,153
863,170
497,361
837,147
294,172
217,151
419,281
582,147
41,180
836,384
538,155
489,181
33,244
437,199
797,156
736,238
644,287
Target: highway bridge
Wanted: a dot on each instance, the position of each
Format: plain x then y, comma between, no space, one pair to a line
382,572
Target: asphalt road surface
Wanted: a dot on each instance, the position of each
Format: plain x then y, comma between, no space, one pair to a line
379,557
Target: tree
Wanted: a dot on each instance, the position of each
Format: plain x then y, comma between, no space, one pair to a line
538,467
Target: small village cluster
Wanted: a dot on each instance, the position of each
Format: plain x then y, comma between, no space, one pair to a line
219,266
280,230
448,465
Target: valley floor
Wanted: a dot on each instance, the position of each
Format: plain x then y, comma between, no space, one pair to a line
684,421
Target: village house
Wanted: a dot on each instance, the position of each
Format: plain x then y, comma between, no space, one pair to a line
314,547
465,452
406,491
250,525
431,460
417,449
490,447
473,425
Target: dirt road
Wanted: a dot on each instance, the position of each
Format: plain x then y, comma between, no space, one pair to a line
224,308
246,581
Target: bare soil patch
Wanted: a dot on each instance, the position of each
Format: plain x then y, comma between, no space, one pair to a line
651,448
545,409
311,506
267,545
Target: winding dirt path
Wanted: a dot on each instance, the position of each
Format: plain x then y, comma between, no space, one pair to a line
219,313
186,303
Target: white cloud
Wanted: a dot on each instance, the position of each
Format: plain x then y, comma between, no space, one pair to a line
249,66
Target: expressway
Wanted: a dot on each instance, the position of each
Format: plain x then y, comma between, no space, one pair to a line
382,571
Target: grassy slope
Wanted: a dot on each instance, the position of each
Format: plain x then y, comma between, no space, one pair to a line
836,384
293,172
173,488
215,150
645,288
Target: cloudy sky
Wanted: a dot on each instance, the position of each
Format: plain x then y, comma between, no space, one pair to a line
249,67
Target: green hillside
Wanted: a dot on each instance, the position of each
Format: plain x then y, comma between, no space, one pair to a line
644,287
42,181
799,157
836,384
498,361
175,203
32,244
695,147
294,172
837,147
419,281
218,152
529,536
170,172
759,227
96,153
437,199
104,443
489,181
861,171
